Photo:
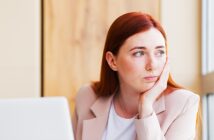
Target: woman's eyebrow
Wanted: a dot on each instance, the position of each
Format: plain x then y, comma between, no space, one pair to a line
138,47
159,47
144,48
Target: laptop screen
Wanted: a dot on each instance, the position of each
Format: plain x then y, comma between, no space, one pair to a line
45,118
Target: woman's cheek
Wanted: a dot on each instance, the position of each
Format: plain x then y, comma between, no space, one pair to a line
129,65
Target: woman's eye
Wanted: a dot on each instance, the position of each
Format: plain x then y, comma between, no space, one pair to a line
160,53
138,54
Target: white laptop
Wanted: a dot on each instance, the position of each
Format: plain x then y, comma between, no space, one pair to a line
46,118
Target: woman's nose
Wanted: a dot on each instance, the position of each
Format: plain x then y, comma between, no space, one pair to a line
150,63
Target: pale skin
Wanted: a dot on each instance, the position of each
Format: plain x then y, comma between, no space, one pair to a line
143,71
148,98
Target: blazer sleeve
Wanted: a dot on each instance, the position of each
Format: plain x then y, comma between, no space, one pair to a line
182,128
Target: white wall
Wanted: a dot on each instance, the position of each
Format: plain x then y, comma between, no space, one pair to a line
19,48
182,21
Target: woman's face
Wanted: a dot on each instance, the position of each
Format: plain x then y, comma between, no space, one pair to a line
141,60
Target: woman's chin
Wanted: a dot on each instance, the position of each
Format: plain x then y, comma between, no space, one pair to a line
147,87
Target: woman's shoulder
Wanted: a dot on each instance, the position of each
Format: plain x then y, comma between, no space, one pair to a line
182,98
183,94
85,95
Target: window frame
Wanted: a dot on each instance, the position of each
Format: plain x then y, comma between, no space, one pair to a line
207,70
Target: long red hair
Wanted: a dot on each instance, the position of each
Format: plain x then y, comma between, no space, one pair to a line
121,29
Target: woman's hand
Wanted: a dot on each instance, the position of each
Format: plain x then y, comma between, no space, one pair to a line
148,98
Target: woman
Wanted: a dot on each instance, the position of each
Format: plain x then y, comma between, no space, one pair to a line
136,98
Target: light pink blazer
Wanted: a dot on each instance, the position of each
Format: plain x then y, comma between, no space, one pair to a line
174,116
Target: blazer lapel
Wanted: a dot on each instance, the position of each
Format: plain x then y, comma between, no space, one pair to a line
159,105
93,128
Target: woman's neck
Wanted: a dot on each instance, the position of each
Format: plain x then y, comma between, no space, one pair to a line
126,103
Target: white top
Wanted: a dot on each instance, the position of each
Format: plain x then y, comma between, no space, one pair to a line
119,128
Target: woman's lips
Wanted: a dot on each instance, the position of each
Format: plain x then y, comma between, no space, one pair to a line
151,78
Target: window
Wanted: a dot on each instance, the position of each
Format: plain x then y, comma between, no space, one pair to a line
208,68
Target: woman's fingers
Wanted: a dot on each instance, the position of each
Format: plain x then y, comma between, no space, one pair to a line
162,82
160,85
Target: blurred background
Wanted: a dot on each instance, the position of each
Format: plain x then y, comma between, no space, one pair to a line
52,47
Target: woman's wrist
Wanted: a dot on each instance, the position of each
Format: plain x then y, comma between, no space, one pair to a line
145,110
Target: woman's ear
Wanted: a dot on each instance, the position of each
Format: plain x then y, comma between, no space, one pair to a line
111,59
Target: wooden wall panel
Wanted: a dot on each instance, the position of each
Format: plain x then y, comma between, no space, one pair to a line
74,36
